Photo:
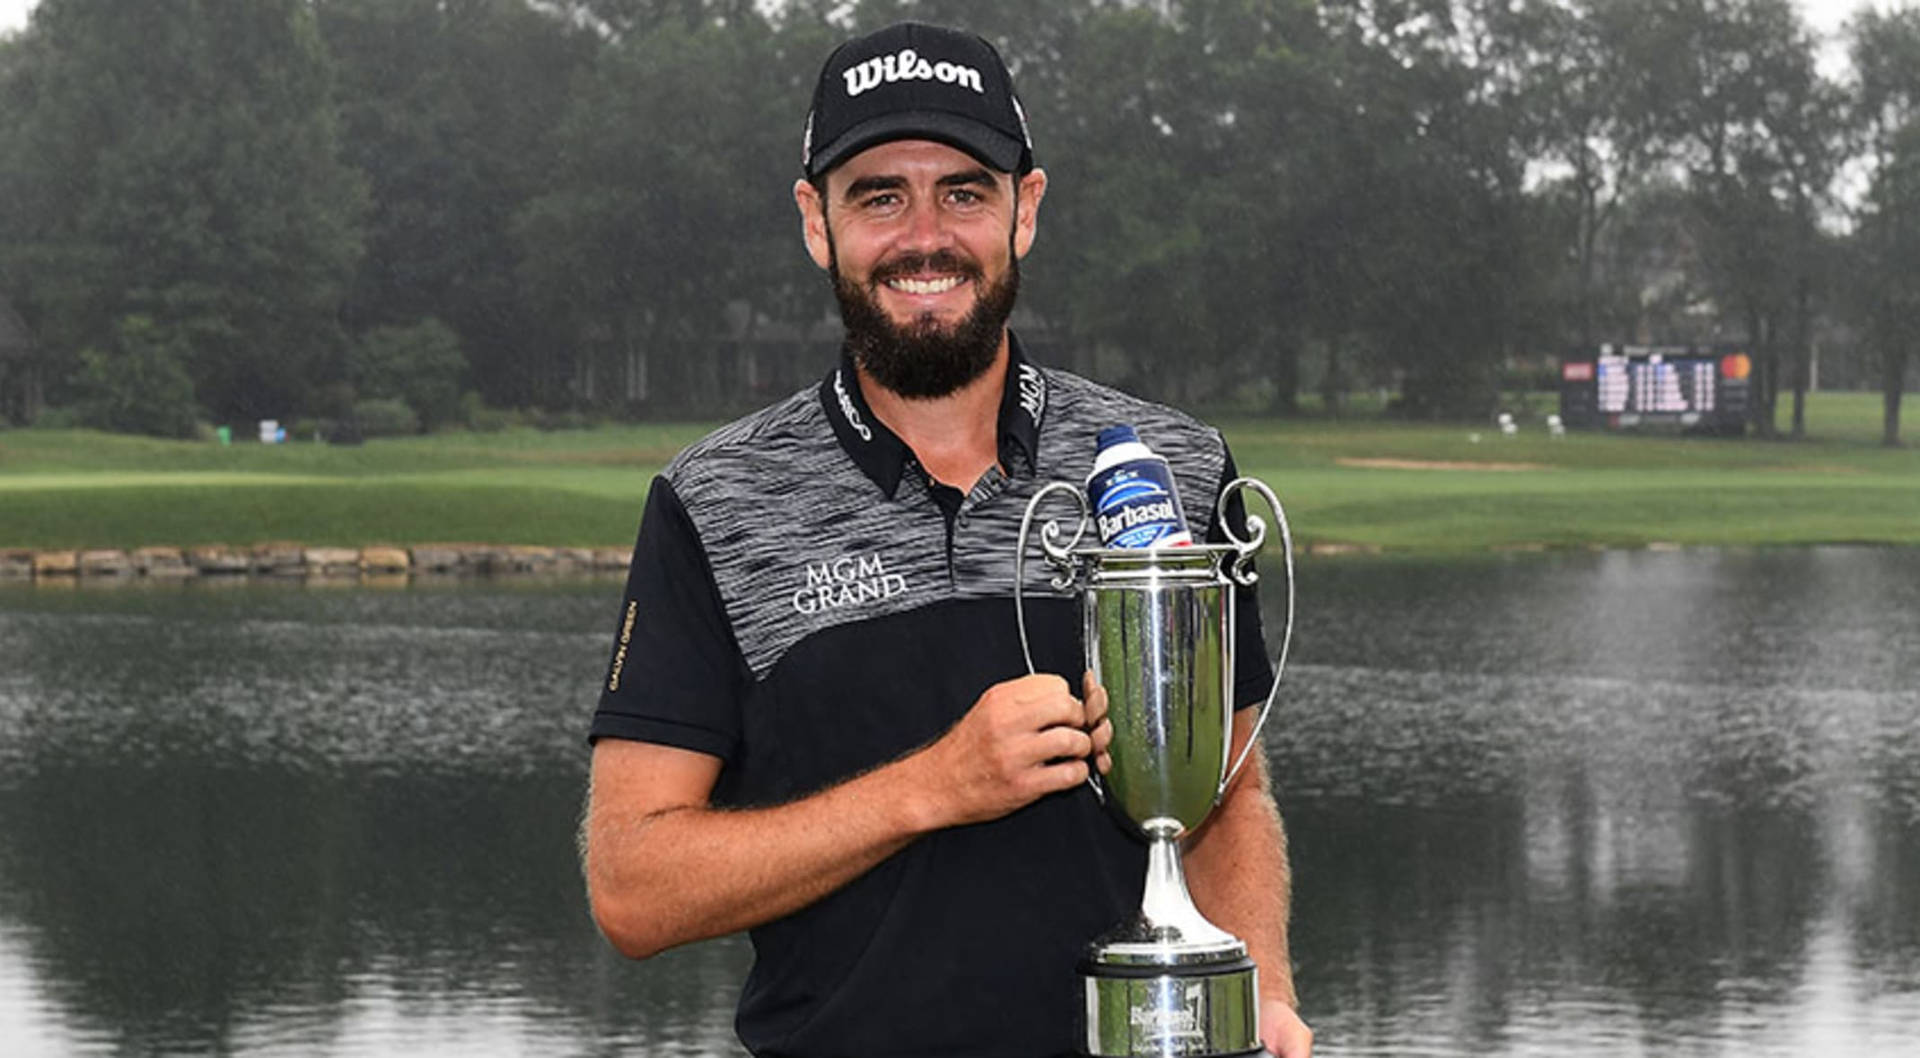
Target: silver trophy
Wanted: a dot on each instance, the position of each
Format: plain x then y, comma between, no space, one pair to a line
1159,636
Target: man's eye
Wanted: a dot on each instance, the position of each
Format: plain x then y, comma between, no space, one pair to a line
884,200
965,196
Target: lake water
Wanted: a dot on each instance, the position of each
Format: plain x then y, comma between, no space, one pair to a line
1571,805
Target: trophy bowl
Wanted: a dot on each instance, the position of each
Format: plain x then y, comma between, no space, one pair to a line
1157,627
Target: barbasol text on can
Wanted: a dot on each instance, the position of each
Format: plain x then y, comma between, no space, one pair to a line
1131,489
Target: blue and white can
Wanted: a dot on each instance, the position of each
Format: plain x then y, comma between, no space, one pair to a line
1131,489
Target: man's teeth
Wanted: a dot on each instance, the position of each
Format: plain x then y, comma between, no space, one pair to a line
924,286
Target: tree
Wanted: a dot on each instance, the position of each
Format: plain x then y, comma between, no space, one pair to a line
1575,73
667,225
1262,173
1431,208
448,110
1123,243
1889,273
1886,281
23,374
1753,125
1170,256
177,162
1651,258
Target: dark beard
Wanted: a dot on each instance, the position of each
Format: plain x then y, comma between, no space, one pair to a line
922,360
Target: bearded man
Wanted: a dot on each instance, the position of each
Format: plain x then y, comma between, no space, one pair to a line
815,726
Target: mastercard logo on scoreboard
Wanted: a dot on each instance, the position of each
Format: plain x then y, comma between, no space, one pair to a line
1735,366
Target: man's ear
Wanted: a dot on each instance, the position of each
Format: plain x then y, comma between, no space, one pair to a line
1033,188
813,222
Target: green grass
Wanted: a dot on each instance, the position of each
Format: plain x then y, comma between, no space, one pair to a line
586,488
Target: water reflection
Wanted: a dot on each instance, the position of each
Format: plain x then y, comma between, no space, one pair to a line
1582,805
269,819
1626,803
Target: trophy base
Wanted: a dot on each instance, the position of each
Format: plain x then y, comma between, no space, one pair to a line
1208,1010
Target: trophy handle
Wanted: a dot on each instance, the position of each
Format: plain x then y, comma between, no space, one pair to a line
1243,573
1060,557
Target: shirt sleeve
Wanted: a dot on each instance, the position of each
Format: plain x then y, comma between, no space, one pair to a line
1252,668
676,675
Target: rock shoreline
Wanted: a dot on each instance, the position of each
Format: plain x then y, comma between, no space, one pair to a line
295,560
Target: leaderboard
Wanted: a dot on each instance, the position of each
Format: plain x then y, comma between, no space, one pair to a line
1623,387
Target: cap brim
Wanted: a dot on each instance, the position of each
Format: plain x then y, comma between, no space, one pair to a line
990,146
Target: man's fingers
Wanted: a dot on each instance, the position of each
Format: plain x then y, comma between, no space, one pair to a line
1057,742
1064,775
1096,699
1102,736
1284,1033
1043,701
1039,685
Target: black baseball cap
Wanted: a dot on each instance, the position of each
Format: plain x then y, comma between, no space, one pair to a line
912,81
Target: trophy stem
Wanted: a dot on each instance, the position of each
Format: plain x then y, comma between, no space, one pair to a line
1168,930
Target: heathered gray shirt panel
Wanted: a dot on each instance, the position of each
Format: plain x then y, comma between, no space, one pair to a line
801,540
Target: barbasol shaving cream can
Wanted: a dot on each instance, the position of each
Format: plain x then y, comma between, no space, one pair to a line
1132,493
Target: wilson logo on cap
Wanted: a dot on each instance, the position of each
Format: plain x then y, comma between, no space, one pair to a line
907,65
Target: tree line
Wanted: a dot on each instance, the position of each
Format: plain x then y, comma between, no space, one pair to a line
411,213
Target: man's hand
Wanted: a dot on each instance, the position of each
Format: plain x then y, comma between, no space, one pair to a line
1282,1031
1023,739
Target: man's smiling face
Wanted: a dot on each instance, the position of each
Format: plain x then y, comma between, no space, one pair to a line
923,244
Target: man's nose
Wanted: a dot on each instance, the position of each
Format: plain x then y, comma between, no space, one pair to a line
926,226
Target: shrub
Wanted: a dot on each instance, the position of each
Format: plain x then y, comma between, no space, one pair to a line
482,419
333,400
385,417
491,420
52,418
341,431
421,365
562,420
140,384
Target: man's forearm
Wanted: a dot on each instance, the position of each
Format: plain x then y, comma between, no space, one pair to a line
690,872
1236,867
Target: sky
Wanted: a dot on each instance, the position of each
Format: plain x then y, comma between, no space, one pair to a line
1825,15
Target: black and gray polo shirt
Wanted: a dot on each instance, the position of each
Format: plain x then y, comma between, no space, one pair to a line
804,604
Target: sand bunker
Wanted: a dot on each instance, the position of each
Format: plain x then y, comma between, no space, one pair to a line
1434,464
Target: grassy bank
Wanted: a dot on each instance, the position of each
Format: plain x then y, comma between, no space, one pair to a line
1363,482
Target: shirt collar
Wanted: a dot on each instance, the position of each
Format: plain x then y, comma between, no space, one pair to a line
882,456
1023,404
